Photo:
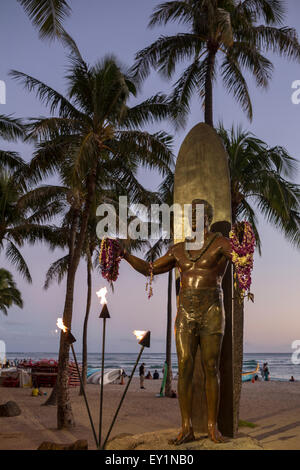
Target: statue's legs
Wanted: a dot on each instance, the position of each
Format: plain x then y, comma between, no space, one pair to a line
210,354
186,343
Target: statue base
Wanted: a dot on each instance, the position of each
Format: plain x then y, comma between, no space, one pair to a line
159,440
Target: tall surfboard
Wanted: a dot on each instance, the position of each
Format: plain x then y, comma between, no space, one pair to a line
202,173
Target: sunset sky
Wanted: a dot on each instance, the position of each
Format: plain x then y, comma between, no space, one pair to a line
272,323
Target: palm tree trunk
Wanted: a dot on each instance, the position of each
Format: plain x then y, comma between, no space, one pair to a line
168,389
86,319
65,417
238,350
238,340
208,101
52,400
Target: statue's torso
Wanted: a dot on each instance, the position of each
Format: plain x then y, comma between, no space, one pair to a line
200,308
206,272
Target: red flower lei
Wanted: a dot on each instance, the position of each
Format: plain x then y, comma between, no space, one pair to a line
242,240
109,258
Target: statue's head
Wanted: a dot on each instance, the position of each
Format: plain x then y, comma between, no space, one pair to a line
208,213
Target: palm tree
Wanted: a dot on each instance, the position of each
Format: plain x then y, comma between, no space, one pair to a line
165,196
47,16
9,294
224,38
94,137
58,269
261,177
261,181
20,219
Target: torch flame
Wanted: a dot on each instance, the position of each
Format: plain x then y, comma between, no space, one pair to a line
139,334
61,325
102,295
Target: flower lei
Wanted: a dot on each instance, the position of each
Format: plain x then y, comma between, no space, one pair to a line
149,287
109,258
242,240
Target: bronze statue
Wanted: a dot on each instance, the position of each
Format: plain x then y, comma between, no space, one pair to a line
200,318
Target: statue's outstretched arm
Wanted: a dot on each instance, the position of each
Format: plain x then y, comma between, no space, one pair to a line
161,265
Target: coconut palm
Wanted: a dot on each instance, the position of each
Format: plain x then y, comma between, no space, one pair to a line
21,220
9,294
95,136
58,269
261,182
223,39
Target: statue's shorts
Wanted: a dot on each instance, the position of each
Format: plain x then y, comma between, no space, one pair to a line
201,312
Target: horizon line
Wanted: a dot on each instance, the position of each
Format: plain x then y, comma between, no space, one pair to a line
124,352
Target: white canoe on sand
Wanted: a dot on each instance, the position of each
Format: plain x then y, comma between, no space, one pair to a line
110,375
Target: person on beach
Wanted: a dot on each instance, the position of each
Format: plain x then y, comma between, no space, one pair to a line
36,390
155,375
292,379
266,372
122,377
148,376
142,375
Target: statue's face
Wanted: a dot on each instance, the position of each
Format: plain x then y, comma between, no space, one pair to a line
194,218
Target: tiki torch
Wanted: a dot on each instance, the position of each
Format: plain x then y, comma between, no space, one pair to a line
69,338
144,341
104,315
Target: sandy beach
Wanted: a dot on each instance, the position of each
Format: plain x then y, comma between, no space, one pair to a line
272,406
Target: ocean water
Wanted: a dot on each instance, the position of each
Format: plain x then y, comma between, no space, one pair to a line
280,364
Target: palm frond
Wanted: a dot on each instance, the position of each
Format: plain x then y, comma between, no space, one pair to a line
166,188
39,197
257,176
236,84
283,41
47,95
251,59
164,53
272,11
9,294
47,16
154,109
14,256
192,79
153,151
180,11
11,160
11,128
57,271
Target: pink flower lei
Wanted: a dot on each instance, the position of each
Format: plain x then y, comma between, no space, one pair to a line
242,240
109,258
